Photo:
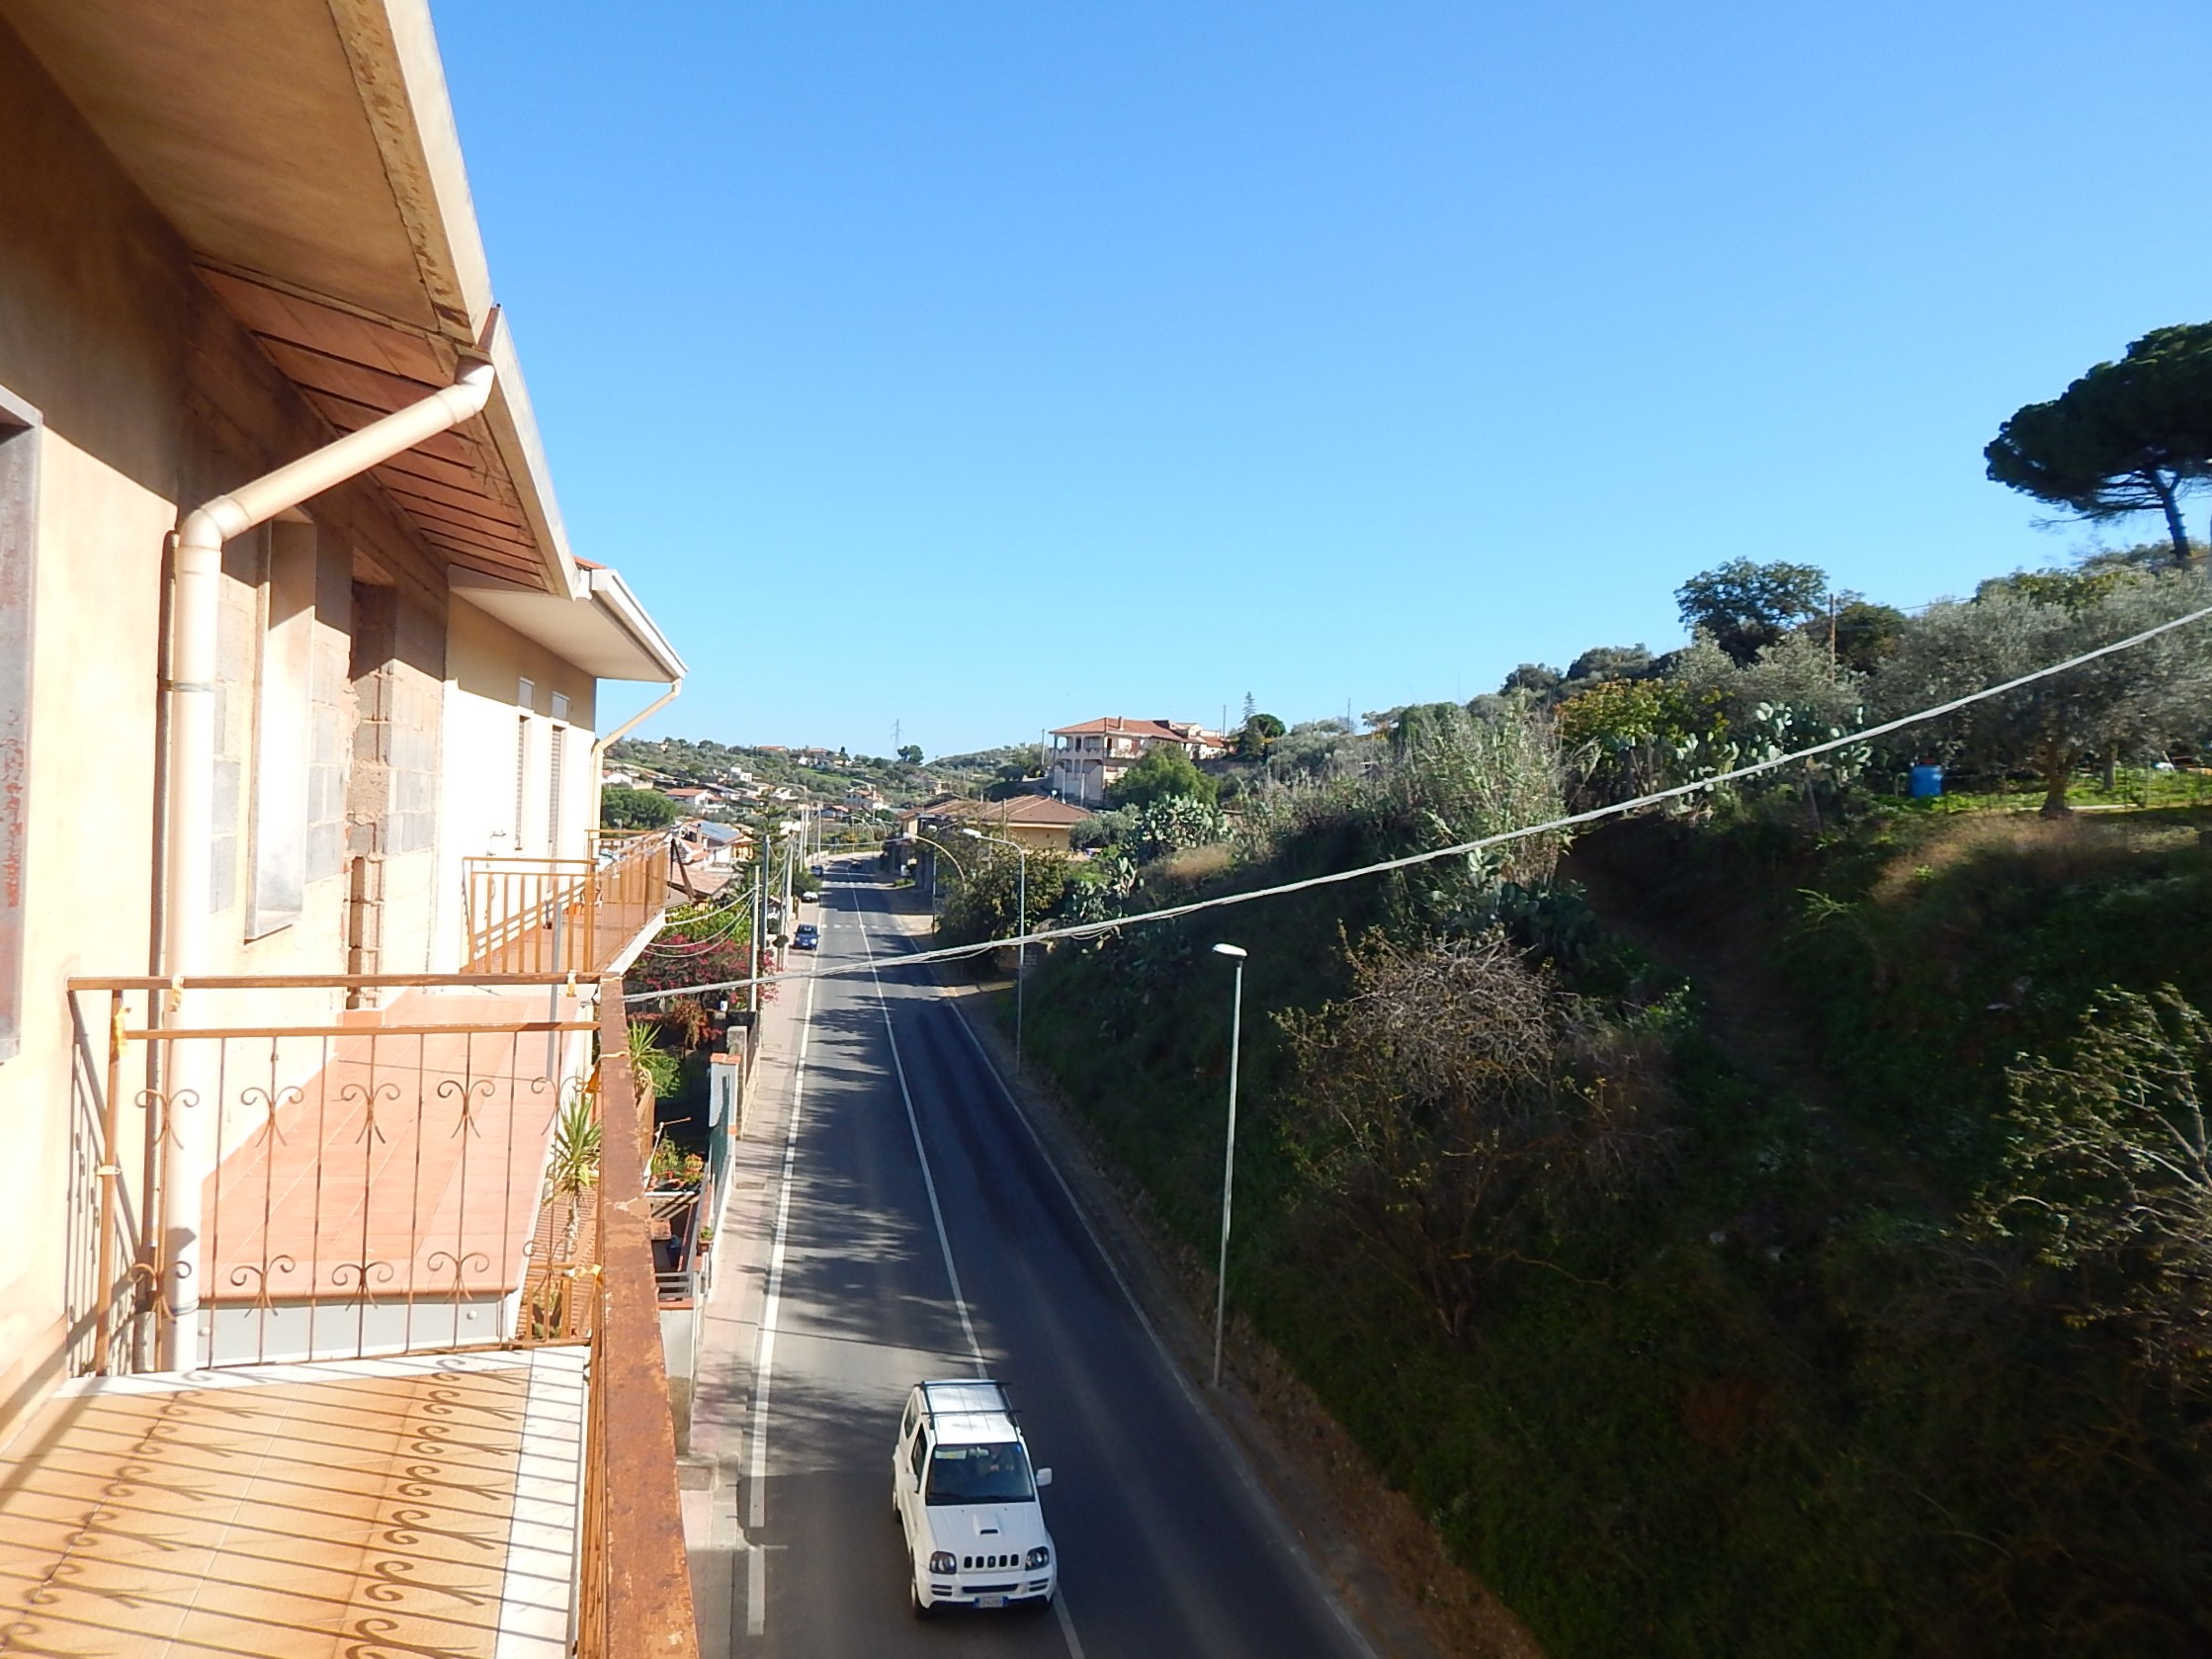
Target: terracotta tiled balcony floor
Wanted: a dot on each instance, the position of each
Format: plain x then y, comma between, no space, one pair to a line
423,1506
413,1161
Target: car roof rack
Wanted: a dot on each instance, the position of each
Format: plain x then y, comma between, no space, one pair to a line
930,1405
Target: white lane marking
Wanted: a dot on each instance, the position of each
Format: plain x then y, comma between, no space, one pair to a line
764,1356
756,1591
1136,1307
1269,1509
1068,1625
1065,1619
929,1181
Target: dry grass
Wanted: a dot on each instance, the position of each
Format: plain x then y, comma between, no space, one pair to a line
1192,866
2054,850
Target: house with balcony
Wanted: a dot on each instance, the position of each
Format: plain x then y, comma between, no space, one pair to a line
304,1343
1088,760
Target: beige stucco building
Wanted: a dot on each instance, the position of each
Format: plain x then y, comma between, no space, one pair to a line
232,233
1088,760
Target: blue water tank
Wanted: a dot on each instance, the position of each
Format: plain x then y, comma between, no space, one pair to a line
1924,781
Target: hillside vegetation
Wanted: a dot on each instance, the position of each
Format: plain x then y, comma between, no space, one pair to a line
1780,1228
1723,1362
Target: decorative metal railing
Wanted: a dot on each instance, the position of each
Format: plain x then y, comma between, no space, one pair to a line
570,916
295,1181
380,1183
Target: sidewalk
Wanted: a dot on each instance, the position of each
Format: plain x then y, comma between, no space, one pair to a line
709,1475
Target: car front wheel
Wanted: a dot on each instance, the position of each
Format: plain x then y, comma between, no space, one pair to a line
914,1604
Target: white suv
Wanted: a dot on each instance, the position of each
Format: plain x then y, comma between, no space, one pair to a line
962,1487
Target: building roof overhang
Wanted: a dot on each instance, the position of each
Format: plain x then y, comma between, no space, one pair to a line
306,152
597,625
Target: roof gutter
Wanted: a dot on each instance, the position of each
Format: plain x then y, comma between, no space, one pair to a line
611,594
183,877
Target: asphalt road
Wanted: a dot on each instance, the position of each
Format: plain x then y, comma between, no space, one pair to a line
1166,1545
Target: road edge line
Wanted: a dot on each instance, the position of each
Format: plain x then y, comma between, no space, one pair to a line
764,1351
1285,1537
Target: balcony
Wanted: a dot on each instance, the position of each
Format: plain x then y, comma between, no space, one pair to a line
585,916
422,1406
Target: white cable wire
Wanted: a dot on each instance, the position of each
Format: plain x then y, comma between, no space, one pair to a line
736,910
1462,849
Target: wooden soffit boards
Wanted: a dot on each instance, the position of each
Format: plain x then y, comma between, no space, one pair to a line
352,370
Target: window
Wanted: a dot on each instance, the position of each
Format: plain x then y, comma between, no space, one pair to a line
994,1472
557,741
525,695
522,775
19,517
920,1457
283,741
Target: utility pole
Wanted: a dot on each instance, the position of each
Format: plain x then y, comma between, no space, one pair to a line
790,844
760,896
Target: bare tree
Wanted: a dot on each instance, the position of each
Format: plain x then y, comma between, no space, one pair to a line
1454,1105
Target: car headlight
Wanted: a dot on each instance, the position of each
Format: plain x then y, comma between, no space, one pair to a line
944,1561
1038,1557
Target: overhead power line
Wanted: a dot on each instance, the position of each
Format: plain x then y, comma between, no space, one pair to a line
1461,850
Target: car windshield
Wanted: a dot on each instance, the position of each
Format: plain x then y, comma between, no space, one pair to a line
997,1473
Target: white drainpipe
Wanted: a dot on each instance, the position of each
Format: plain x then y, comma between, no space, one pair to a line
191,1150
599,749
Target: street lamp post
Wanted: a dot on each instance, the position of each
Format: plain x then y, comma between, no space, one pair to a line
1228,1149
1021,933
760,905
933,881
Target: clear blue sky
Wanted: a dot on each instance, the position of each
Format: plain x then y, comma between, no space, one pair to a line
1125,356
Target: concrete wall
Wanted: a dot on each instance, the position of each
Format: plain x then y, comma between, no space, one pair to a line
94,307
491,810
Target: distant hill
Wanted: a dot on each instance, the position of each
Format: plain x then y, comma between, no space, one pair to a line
820,773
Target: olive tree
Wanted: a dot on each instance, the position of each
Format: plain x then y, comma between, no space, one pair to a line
2132,703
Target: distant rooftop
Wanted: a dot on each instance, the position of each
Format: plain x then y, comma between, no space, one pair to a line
1120,725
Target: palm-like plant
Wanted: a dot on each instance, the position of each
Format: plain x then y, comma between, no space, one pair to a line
653,1065
574,1164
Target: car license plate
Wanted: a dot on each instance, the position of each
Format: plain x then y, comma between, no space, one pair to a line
990,1600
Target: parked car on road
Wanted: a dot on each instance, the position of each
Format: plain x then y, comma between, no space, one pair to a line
965,1496
806,936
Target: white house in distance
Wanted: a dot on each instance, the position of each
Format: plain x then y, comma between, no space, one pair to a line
1088,760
